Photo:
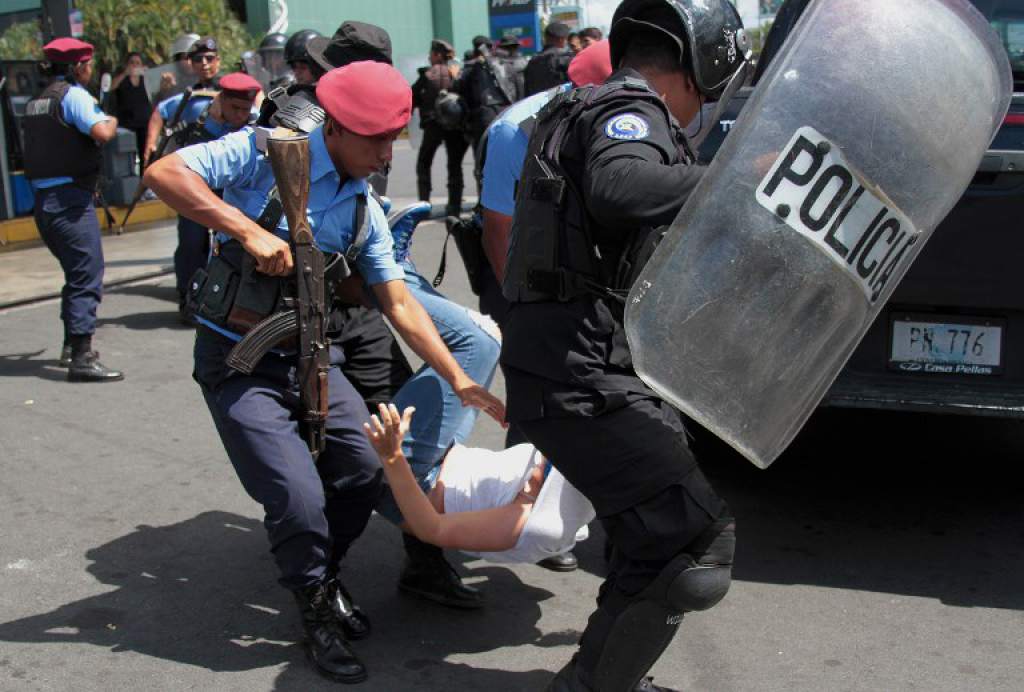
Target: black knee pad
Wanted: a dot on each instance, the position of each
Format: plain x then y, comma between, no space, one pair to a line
698,578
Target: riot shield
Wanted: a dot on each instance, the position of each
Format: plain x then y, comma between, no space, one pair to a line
863,134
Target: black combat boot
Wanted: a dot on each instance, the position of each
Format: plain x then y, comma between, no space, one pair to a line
85,363
569,679
325,640
354,622
427,574
65,354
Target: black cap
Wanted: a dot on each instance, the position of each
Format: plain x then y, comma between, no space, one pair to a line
481,41
508,40
557,29
352,42
439,45
207,44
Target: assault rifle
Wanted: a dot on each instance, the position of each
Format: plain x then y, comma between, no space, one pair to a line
306,313
161,146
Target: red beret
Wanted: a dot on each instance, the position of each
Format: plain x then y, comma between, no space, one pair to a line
592,65
67,50
239,85
368,98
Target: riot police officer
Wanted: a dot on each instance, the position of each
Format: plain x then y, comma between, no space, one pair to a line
488,86
272,58
64,127
296,54
425,90
314,509
550,67
605,167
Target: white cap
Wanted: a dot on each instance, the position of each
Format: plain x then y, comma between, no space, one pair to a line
182,44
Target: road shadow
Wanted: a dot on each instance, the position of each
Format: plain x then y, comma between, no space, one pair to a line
30,365
145,321
911,504
163,290
203,592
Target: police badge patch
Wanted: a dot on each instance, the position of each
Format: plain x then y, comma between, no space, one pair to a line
627,126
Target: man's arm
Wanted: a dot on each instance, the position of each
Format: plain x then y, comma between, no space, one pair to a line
488,530
497,232
153,128
630,181
413,323
104,131
187,193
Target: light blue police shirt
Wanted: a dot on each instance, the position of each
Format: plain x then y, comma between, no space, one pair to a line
81,111
506,151
235,164
195,107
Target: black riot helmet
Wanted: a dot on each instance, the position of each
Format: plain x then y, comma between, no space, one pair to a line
274,41
295,49
708,32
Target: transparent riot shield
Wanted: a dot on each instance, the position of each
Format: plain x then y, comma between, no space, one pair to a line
862,135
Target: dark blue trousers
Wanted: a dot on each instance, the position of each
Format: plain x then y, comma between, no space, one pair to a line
313,511
66,219
192,252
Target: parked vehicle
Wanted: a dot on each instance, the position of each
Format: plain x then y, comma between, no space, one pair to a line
951,338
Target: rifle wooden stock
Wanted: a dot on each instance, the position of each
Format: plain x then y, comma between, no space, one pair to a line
289,159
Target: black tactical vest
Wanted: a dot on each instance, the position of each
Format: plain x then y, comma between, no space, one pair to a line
55,148
185,135
552,255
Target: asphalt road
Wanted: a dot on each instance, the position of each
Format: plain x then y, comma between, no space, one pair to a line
882,552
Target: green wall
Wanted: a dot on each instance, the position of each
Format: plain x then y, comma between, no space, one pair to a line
411,23
19,5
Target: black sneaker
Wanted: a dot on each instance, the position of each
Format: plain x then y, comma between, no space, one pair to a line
566,562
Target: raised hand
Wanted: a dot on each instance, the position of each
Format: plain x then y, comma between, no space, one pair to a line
387,429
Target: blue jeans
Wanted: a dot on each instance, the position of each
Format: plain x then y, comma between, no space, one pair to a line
441,420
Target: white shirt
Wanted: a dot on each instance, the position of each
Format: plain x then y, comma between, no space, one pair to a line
476,479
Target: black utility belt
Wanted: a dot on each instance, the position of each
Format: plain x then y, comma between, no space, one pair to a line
230,293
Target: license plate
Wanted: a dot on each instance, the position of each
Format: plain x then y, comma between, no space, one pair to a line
946,346
813,190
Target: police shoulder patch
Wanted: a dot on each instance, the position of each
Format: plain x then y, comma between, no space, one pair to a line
627,126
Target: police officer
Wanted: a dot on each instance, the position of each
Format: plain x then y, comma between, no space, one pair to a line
313,510
431,82
619,168
508,50
549,68
230,110
488,87
204,58
296,55
64,127
193,239
373,359
507,139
